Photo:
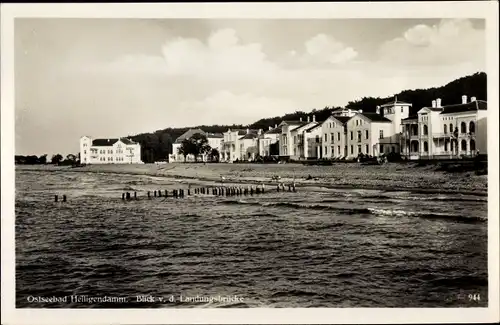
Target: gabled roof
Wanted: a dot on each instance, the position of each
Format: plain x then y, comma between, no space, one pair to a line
467,107
291,122
127,141
341,119
104,142
434,109
374,117
304,124
395,102
275,130
215,135
188,134
249,136
313,127
110,142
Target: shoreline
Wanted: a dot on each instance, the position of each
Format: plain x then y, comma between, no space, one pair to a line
390,178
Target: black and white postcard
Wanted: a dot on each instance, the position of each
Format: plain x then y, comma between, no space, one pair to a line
250,163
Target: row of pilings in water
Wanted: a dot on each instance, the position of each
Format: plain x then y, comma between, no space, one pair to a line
215,191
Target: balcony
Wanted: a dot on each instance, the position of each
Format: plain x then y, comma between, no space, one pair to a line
467,135
409,136
442,135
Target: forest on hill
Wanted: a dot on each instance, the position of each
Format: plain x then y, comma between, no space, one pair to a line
158,145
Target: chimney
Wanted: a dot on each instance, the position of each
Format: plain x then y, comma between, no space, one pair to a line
378,109
248,131
473,99
438,102
464,99
349,112
314,118
308,119
300,119
275,126
260,131
433,103
270,128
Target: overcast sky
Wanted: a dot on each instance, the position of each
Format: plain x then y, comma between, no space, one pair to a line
119,77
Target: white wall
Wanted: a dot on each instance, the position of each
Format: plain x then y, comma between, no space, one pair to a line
118,153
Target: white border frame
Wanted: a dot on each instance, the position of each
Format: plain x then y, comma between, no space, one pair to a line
473,9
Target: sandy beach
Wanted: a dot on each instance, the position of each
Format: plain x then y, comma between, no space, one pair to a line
390,176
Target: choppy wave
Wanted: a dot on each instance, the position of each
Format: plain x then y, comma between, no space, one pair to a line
313,248
373,211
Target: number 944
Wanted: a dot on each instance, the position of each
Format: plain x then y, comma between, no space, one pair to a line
474,297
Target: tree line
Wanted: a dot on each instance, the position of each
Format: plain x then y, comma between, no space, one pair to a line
158,145
56,159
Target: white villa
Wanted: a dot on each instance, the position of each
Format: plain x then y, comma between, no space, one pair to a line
214,141
109,151
239,144
267,139
334,132
446,131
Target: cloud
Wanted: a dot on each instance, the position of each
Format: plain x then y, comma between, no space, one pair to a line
319,52
221,56
452,41
325,49
227,107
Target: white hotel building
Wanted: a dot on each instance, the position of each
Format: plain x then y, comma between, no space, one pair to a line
450,131
109,151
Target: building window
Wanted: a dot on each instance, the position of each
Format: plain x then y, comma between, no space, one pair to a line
84,152
326,137
366,134
332,150
352,135
463,128
446,145
426,130
338,136
381,148
464,145
359,136
317,139
445,129
401,109
367,149
472,128
451,128
357,122
381,134
426,146
472,145
352,149
359,149
326,150
332,136
338,150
